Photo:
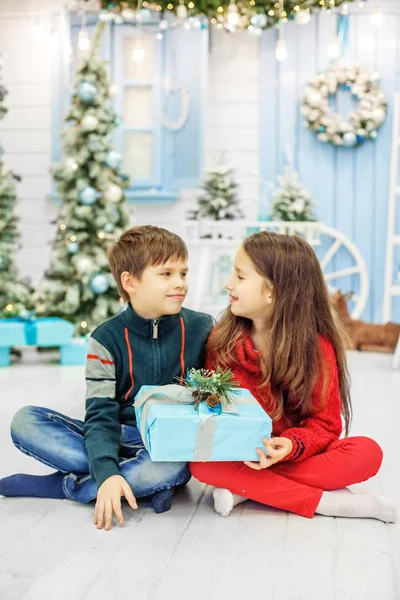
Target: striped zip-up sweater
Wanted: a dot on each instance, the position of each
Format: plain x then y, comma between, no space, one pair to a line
125,353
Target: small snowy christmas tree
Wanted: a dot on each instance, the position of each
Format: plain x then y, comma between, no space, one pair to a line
15,295
78,286
292,202
219,199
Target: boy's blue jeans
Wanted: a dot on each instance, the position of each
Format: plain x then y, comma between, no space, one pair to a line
57,441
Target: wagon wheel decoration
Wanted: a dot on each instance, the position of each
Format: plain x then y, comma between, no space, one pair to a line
344,278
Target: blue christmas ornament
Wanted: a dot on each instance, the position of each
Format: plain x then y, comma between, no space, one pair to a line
88,196
259,20
73,247
108,227
321,129
99,284
87,91
144,15
113,159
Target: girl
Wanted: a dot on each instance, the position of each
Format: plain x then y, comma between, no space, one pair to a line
280,339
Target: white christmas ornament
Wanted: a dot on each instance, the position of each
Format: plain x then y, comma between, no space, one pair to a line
89,123
83,263
113,91
113,193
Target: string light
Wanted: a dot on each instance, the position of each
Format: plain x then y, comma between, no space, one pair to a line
9,307
73,238
101,235
83,324
63,227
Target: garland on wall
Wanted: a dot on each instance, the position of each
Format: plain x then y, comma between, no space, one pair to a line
256,14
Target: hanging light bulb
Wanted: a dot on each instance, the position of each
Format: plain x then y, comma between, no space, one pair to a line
376,18
83,40
83,36
233,14
281,50
334,47
181,11
138,55
38,27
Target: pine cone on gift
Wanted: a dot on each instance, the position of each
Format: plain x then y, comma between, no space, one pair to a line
200,396
213,400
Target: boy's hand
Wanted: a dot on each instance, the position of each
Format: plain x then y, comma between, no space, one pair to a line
109,501
275,450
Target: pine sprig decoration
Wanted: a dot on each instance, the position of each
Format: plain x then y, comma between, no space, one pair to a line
211,387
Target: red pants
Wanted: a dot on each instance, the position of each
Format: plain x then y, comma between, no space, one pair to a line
297,487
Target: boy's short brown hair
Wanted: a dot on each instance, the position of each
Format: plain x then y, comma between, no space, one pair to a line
142,247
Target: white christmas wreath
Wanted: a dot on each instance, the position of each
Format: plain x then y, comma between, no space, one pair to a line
184,112
361,124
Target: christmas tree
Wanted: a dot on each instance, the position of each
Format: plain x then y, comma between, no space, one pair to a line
219,199
15,295
292,202
79,286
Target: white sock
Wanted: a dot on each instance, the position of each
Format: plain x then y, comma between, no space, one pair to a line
343,503
224,501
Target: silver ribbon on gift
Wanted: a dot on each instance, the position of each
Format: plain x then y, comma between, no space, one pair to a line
177,394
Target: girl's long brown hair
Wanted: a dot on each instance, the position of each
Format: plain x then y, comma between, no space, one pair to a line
291,356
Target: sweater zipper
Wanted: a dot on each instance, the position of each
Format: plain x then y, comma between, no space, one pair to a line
155,329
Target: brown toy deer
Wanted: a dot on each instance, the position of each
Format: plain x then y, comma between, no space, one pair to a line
365,336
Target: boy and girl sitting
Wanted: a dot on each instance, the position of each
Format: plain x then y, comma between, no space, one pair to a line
280,339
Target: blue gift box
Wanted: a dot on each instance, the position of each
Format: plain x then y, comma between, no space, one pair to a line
179,432
48,331
12,333
75,352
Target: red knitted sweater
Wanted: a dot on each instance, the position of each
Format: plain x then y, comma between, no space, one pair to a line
315,433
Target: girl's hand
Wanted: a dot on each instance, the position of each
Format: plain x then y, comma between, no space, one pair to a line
275,450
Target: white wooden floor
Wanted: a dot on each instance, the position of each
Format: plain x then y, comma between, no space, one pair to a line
49,549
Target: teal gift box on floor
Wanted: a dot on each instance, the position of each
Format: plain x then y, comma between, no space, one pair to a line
49,331
173,430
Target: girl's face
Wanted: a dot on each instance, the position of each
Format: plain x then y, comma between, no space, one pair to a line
250,296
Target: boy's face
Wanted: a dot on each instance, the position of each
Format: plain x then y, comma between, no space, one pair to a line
160,291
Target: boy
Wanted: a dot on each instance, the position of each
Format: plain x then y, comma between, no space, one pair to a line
152,341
